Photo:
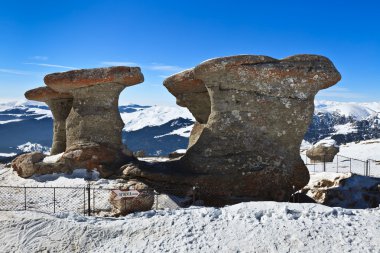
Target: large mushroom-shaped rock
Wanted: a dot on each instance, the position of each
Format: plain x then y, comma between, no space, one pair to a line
249,148
94,125
323,151
191,93
60,106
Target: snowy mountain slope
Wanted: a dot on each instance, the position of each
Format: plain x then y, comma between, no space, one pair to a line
153,116
358,111
23,122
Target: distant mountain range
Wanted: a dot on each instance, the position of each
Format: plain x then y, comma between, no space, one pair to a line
159,130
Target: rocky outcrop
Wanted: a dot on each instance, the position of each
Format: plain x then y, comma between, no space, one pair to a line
27,165
123,204
191,92
323,151
249,146
344,190
60,105
24,164
94,124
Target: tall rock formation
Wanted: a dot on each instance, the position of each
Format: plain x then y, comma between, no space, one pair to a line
249,146
94,124
60,105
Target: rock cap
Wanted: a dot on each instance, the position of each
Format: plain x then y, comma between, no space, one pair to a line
299,76
74,79
184,82
44,94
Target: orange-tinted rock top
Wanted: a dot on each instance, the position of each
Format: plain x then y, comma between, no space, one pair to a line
44,94
184,82
74,79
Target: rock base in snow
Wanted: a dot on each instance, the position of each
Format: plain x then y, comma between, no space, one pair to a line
344,190
27,165
143,202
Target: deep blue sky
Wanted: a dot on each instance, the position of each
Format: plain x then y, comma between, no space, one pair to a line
164,37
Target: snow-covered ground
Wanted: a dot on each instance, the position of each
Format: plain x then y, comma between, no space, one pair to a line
245,227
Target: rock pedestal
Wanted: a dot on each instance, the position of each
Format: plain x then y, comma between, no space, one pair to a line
249,147
94,125
60,105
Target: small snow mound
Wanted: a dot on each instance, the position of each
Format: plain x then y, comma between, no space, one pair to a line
52,158
326,143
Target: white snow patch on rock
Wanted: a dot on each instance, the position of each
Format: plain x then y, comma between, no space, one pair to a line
326,143
52,158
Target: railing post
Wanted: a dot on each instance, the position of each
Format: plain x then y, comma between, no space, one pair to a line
54,199
93,200
25,198
88,200
324,163
84,201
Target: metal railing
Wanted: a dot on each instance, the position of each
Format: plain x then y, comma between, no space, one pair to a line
344,164
84,200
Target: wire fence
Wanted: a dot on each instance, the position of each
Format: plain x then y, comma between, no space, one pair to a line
344,164
84,200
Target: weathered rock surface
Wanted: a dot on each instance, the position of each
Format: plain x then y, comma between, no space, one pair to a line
24,164
344,190
249,147
191,93
323,151
27,165
60,105
94,125
175,155
143,202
